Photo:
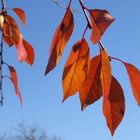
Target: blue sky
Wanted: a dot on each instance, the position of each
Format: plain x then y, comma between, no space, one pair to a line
42,95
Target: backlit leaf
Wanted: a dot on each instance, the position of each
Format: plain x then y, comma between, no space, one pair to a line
134,76
91,90
101,20
30,52
21,14
7,34
60,39
22,54
14,80
76,68
114,106
105,73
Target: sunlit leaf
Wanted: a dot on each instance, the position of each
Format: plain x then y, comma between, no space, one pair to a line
114,106
30,52
91,90
60,39
21,14
76,68
105,73
22,54
134,76
14,80
7,34
101,20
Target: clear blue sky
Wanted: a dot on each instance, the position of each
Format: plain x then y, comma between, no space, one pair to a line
42,96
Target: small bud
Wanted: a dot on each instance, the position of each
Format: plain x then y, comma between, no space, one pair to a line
1,21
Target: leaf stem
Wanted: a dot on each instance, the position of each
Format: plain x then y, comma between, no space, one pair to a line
85,13
85,31
69,3
117,59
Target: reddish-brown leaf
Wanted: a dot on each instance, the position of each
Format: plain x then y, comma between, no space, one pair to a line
134,77
14,80
7,35
76,68
101,20
30,52
105,73
114,106
91,90
11,21
60,39
21,14
22,54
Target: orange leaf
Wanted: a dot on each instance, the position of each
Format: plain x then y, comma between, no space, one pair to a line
60,39
101,20
30,52
91,90
134,77
14,80
10,21
114,106
105,73
22,54
76,68
7,35
21,14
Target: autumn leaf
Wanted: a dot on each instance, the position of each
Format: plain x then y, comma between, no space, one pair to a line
30,52
105,73
91,90
14,80
134,77
60,39
22,54
101,20
21,14
7,35
76,68
114,106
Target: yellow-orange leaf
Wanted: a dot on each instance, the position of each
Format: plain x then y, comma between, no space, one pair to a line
114,106
101,20
60,39
134,76
21,14
14,80
76,68
91,90
105,73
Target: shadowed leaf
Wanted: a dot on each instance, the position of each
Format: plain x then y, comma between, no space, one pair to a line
114,106
91,90
101,20
60,39
76,68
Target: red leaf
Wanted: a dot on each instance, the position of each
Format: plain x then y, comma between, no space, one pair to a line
22,54
114,106
30,52
91,90
14,80
101,20
60,39
134,77
105,73
76,68
7,35
21,14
